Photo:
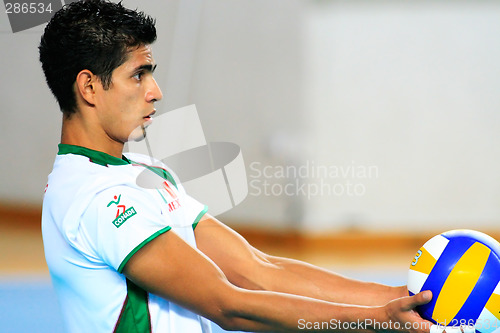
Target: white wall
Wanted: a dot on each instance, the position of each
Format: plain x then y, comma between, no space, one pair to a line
30,122
409,89
246,86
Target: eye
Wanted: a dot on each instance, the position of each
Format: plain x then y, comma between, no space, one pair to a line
138,75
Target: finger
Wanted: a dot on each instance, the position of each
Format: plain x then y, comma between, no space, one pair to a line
418,299
423,297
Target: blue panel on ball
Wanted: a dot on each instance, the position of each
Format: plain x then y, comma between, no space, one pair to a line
482,290
441,270
487,240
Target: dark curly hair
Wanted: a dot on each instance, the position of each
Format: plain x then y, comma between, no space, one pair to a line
90,34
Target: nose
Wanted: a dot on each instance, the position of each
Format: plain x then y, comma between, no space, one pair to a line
154,93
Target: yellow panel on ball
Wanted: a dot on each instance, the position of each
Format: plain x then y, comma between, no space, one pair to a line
460,283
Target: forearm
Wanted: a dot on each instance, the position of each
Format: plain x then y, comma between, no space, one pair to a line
278,312
271,311
299,278
250,268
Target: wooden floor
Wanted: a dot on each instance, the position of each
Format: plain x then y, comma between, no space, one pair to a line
21,246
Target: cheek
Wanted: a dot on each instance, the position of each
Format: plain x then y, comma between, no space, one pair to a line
127,103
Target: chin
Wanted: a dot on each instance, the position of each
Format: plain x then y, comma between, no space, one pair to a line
138,134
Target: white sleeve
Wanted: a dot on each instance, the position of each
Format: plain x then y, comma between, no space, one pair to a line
195,210
121,220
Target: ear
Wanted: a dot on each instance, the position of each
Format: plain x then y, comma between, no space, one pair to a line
85,86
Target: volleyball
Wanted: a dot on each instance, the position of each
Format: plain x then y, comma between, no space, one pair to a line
462,269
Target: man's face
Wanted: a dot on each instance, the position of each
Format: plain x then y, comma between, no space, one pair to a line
126,107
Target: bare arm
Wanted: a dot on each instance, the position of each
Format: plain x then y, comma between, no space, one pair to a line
250,268
169,267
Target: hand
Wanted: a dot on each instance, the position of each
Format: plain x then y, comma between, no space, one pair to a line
401,291
401,313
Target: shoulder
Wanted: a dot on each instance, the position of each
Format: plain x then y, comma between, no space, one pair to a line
76,175
75,183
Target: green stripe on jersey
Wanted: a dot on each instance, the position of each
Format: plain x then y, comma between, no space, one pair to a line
101,158
198,218
140,246
134,317
97,157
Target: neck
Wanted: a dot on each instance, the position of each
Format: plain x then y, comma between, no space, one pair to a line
78,131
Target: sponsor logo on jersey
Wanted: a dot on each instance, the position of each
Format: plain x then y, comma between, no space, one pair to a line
123,217
122,213
119,207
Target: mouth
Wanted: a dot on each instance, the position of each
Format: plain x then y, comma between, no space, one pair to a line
149,117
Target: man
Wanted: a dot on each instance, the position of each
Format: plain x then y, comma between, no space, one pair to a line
122,259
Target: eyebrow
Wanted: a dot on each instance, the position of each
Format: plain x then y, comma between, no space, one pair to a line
146,68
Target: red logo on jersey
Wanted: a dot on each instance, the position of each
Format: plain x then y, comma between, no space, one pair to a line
116,201
174,204
169,190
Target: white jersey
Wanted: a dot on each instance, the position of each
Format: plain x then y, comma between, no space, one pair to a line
98,211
